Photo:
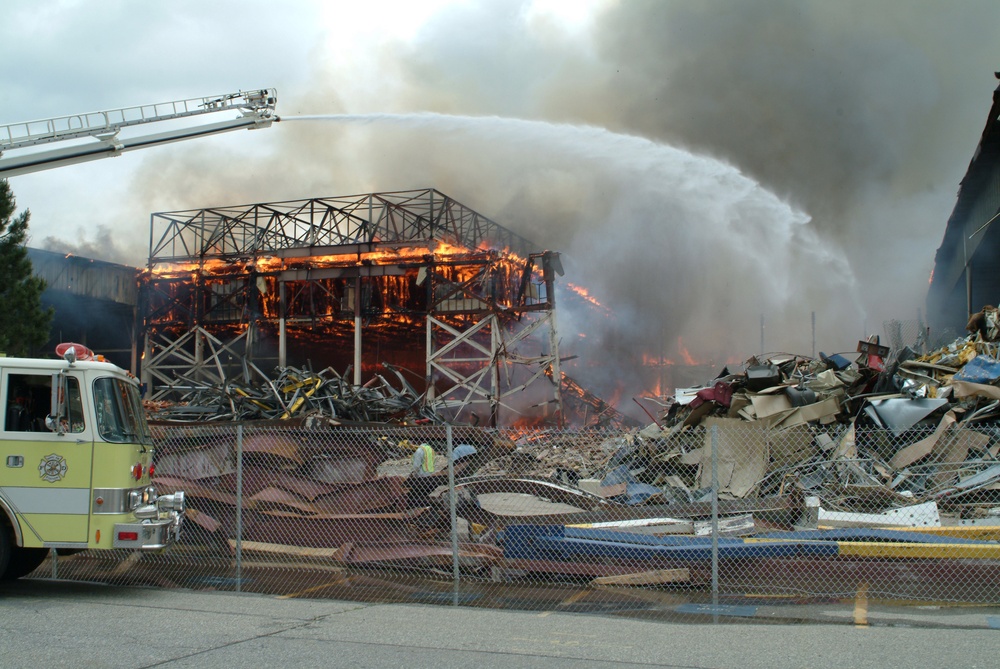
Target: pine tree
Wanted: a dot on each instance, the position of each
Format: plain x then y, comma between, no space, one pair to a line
24,324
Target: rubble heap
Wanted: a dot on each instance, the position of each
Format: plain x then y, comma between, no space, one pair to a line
861,435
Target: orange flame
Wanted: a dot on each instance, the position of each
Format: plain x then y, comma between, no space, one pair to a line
685,354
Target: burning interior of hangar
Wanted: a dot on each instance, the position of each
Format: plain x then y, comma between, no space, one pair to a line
413,282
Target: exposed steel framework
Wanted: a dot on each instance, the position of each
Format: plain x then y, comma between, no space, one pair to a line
320,226
315,280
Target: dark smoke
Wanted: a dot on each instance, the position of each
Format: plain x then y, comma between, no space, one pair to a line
103,244
862,116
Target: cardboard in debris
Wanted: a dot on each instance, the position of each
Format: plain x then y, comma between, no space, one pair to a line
825,381
742,456
790,446
767,405
968,389
921,449
824,412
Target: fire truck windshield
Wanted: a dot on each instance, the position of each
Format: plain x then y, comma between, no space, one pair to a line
119,412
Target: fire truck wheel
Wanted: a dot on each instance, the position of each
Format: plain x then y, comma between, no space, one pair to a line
23,561
5,546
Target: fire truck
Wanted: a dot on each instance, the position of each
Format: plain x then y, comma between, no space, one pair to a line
78,459
76,451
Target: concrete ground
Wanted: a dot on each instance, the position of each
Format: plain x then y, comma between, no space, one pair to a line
56,623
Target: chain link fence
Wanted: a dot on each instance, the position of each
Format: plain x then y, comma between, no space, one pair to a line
725,517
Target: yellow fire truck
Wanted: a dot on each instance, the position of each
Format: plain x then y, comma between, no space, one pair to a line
77,462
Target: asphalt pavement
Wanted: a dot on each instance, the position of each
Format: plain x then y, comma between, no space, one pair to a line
61,623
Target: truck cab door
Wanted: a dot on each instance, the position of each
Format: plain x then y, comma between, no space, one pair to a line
46,465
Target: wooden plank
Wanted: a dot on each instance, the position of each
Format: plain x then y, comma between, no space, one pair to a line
283,549
928,365
654,577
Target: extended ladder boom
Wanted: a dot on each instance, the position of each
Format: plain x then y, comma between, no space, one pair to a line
256,109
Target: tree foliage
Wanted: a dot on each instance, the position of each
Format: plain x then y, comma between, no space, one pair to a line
24,324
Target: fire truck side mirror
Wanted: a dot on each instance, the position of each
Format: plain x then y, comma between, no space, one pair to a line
57,411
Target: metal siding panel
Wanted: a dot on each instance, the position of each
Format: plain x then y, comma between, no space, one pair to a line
66,501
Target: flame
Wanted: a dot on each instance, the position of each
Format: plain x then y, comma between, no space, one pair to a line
649,360
685,354
588,297
234,289
585,294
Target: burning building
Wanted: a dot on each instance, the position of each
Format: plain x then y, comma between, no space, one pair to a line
413,281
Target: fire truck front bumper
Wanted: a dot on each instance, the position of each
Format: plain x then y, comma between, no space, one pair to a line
158,527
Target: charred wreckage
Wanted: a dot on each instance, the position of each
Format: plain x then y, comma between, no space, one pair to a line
811,458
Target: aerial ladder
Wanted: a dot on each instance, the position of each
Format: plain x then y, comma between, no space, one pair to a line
256,109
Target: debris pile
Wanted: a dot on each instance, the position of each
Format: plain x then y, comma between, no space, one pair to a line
550,454
861,436
795,445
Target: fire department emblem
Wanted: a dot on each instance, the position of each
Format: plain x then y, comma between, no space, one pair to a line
52,468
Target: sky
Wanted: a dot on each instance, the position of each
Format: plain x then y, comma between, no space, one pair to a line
721,175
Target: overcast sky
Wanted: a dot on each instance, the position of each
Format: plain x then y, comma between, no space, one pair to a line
702,165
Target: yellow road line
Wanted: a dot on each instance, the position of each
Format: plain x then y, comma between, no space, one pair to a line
330,584
575,597
861,606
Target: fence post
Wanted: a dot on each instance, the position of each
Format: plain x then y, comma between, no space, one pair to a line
239,507
454,518
715,522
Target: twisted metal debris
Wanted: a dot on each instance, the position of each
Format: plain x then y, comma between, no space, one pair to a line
296,392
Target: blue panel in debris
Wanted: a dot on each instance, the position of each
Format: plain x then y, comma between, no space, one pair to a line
639,493
981,369
522,542
729,550
993,622
617,476
718,610
556,542
838,361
